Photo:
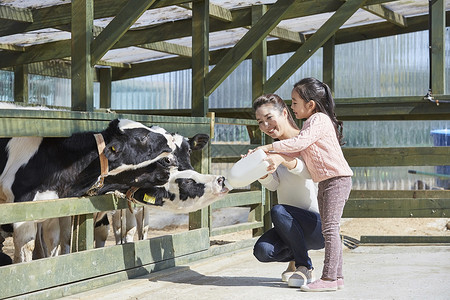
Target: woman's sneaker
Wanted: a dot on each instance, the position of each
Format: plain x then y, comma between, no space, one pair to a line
289,271
320,286
301,277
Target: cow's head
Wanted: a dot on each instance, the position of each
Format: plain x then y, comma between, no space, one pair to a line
184,148
131,145
186,191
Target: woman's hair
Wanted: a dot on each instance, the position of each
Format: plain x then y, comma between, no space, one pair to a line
312,89
277,103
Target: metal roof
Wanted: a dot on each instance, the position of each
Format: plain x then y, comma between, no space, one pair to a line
17,17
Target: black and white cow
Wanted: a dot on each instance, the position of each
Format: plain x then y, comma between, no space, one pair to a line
36,168
186,191
139,156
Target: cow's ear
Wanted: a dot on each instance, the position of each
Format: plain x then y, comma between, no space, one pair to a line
198,141
113,128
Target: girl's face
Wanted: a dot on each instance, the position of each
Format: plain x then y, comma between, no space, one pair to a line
271,121
301,108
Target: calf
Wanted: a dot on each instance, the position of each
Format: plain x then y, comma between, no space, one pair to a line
186,191
36,168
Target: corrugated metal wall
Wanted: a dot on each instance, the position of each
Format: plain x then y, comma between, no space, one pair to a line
391,66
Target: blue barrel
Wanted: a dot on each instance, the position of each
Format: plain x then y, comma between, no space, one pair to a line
441,137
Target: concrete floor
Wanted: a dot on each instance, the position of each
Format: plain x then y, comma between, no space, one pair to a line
371,272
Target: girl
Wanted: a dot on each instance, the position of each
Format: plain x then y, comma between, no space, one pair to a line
296,221
319,144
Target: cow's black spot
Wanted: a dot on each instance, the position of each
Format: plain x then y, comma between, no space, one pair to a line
189,188
7,228
5,259
3,153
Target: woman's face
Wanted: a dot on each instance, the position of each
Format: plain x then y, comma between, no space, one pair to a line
301,108
271,121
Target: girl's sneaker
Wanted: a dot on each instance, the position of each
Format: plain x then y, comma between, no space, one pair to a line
320,286
340,283
289,271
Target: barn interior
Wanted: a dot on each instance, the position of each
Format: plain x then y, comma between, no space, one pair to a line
95,45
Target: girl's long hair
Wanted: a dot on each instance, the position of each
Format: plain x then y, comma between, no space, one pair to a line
313,89
277,103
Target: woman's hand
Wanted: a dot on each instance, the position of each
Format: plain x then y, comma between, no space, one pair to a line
276,159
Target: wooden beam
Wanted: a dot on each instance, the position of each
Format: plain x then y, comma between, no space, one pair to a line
11,47
387,14
170,48
259,57
200,101
247,44
54,68
117,27
171,30
392,239
200,55
312,44
402,156
106,63
104,75
17,14
437,47
215,11
82,83
21,84
328,63
397,208
37,53
345,35
288,35
56,15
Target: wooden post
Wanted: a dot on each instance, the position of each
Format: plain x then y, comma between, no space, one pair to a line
259,56
200,103
21,84
259,71
328,66
82,71
437,57
105,75
200,57
83,233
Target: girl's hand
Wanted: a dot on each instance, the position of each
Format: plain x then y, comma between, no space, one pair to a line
265,148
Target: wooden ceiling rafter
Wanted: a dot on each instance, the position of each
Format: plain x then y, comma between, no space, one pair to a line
170,48
16,14
387,14
215,11
165,31
56,15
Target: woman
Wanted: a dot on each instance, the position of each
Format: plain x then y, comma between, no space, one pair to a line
296,221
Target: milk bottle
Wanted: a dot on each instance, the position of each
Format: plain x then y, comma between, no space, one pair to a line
247,170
